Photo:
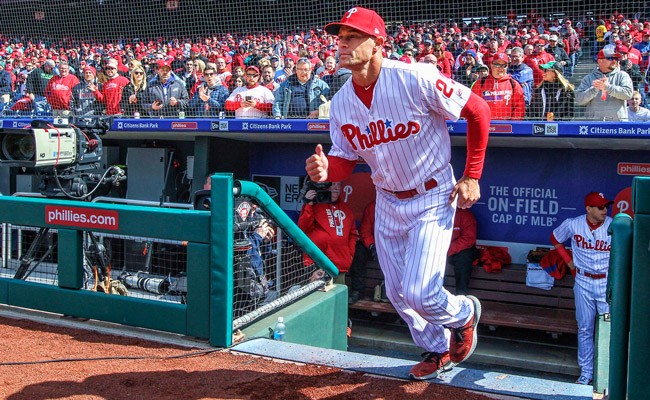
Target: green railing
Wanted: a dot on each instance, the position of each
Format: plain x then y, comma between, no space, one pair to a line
208,311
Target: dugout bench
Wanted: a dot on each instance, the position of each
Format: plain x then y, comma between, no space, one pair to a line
504,296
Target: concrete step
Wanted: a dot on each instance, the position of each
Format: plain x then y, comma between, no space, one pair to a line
504,385
505,350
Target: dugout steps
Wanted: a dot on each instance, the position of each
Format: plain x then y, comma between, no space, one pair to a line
504,349
504,384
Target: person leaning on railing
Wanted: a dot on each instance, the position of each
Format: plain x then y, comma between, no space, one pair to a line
606,89
167,92
135,96
554,98
301,94
83,101
210,97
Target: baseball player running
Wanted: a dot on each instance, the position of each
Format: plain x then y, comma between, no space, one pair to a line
392,114
590,245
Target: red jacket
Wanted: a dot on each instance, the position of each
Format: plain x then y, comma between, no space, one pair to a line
446,65
494,258
59,91
534,61
464,233
554,265
111,94
505,97
322,223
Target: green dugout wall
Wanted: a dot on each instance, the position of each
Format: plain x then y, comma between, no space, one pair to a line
208,312
629,293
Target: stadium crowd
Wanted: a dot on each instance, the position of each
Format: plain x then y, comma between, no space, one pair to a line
514,65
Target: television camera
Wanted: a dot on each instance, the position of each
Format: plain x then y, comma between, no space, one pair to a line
67,158
63,155
323,193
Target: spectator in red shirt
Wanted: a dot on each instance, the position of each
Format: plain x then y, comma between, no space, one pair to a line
426,49
223,73
239,57
503,94
58,91
490,51
111,92
445,60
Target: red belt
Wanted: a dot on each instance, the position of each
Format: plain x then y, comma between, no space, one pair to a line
407,194
590,275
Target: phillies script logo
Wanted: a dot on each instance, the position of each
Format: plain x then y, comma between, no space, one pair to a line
378,132
600,245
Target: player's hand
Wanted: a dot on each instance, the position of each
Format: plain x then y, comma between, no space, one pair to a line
468,191
571,265
317,165
310,195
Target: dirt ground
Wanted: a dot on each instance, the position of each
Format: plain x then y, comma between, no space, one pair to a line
41,361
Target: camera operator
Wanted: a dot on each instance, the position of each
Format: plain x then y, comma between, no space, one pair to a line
252,226
329,223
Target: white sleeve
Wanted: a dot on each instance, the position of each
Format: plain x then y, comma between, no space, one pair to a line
563,232
440,94
340,146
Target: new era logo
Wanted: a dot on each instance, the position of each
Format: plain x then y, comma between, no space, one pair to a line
218,126
538,129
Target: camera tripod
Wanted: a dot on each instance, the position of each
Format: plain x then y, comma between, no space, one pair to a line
95,254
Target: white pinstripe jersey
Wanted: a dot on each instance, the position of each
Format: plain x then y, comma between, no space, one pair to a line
403,137
259,93
590,248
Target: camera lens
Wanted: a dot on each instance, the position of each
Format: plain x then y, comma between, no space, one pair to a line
18,147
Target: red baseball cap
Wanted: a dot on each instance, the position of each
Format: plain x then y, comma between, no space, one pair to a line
596,199
254,68
361,19
164,63
502,57
91,69
608,51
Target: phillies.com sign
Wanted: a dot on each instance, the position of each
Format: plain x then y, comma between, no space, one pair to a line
80,217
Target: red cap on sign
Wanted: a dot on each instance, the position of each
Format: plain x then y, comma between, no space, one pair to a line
361,19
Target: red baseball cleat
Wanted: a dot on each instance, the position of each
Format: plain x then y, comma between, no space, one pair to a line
463,340
431,365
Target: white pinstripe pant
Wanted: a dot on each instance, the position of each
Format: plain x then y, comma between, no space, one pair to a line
412,238
590,301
